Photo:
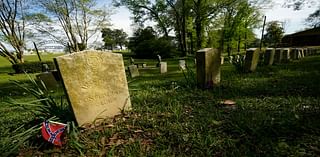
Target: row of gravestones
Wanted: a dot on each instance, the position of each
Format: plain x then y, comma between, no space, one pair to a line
134,71
272,56
208,61
96,86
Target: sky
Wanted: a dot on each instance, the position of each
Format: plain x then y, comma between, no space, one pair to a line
294,21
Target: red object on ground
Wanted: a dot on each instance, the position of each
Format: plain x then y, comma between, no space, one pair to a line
52,131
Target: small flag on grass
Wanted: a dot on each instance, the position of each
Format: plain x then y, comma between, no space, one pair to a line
52,131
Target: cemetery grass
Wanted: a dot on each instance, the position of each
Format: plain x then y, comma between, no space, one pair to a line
276,114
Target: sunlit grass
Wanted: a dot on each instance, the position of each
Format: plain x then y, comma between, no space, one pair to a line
276,114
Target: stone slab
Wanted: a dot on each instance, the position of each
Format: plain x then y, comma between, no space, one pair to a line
278,56
49,80
251,60
163,67
182,64
269,56
133,71
95,83
208,68
286,55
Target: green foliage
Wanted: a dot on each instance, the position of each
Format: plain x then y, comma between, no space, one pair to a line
274,34
190,77
314,18
44,107
145,44
113,38
32,67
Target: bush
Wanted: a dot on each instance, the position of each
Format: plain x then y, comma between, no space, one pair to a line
31,67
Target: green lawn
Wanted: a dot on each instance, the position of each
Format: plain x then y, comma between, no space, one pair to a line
277,114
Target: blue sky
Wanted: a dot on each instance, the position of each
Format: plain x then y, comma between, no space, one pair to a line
293,20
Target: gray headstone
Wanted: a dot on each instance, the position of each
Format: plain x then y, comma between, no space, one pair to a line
95,83
182,64
269,56
222,60
286,55
230,59
49,80
208,68
294,55
278,56
133,71
163,67
251,60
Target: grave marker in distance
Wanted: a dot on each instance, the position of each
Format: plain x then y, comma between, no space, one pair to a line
208,67
133,71
251,60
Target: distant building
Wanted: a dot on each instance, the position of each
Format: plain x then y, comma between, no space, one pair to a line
310,37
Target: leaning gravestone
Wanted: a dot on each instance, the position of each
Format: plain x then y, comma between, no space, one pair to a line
278,56
269,56
133,71
208,68
251,60
286,55
163,67
182,64
95,83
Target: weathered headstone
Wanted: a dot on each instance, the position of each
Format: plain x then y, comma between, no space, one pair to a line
163,67
303,53
251,60
49,80
208,68
144,65
294,54
237,58
133,71
222,60
286,55
299,53
278,56
95,83
269,56
230,59
182,64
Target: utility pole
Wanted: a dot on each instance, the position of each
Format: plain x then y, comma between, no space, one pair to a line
264,24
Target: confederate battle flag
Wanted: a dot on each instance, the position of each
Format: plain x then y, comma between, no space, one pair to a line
52,131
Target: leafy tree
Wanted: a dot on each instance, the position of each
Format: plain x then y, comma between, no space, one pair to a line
120,37
112,38
314,19
108,38
146,44
79,20
274,34
12,25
